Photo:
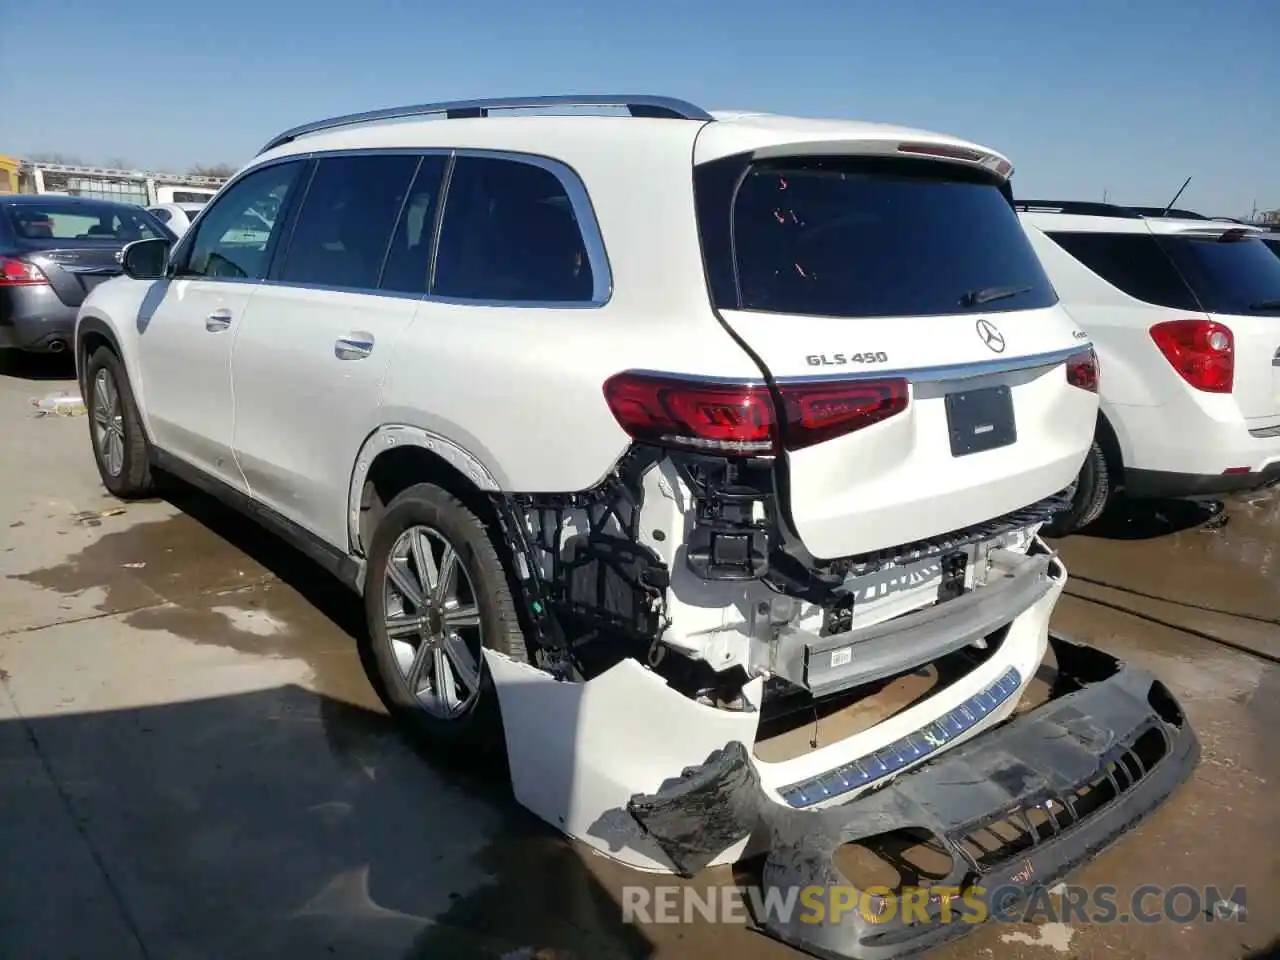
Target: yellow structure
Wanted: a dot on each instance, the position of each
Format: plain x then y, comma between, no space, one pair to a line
9,174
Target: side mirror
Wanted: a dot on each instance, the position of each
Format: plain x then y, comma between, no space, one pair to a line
146,259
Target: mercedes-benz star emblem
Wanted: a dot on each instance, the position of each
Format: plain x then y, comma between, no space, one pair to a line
992,337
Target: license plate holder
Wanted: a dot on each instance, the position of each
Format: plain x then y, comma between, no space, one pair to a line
979,420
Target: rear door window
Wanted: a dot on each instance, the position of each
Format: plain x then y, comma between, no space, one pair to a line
408,265
510,233
862,237
1132,263
345,223
1231,276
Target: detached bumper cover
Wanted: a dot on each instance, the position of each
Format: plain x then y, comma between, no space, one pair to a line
1064,781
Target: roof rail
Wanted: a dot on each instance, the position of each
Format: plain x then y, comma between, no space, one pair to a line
1170,213
638,105
1082,207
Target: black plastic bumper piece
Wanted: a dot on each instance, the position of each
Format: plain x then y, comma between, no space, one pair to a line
1068,779
1157,484
705,810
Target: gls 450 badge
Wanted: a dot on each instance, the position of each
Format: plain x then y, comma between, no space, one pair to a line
845,359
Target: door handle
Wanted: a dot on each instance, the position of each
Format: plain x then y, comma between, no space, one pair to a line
354,346
218,320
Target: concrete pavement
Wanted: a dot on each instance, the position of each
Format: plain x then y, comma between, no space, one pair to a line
192,764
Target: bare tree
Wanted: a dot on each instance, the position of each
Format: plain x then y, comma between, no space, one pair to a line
212,170
53,156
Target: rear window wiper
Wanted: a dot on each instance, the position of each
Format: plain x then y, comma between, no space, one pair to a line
976,298
1265,305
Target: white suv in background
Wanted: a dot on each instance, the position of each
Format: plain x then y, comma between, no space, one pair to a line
1185,317
651,436
176,216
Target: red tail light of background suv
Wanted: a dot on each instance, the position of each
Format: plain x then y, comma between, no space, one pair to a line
1201,350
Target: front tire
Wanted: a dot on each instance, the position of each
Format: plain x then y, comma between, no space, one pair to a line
120,446
1094,492
436,593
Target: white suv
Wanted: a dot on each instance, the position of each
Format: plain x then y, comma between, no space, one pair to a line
650,436
1185,317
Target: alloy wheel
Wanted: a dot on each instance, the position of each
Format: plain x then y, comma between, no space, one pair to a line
108,422
433,622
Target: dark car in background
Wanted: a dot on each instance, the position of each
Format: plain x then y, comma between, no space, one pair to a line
53,251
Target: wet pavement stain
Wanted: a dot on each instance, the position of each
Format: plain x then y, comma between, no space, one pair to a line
213,577
1169,550
1213,831
350,841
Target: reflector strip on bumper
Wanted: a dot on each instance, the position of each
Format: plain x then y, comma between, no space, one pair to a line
1054,787
906,750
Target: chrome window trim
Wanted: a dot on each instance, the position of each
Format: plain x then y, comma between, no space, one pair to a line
570,180
588,224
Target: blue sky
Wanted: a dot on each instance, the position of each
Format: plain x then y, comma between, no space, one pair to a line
1130,98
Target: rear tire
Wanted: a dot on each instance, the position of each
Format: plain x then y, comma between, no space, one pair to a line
427,530
120,446
1094,492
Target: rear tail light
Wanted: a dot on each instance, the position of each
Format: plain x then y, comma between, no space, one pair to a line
821,411
670,412
742,419
19,273
1082,370
1202,351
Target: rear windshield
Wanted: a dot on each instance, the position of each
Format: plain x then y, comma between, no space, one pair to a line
1240,277
82,220
857,237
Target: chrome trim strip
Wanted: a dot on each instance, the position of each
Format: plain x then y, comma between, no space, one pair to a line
639,105
584,212
959,371
325,288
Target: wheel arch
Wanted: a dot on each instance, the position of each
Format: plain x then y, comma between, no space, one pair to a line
1111,449
92,332
396,456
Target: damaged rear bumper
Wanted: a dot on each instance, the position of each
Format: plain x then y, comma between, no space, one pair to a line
1053,787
